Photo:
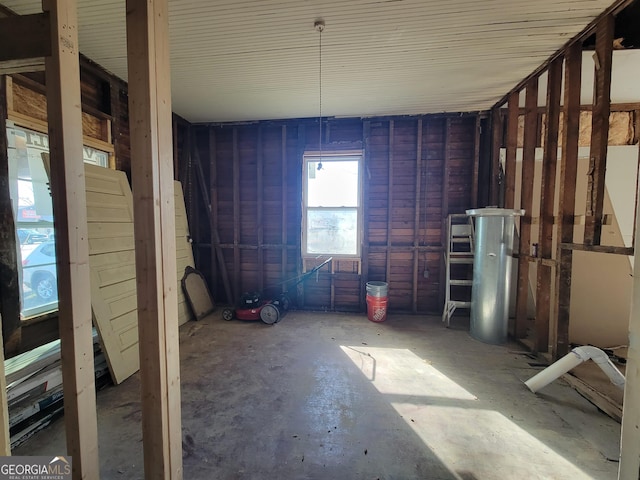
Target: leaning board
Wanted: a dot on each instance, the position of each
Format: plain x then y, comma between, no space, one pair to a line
113,271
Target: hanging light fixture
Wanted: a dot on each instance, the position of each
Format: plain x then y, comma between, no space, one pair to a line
319,26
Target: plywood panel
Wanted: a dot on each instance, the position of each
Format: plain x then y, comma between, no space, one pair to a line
112,263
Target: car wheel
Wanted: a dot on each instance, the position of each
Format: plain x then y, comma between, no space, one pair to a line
228,314
46,287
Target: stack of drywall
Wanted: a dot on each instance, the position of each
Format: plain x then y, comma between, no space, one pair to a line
34,388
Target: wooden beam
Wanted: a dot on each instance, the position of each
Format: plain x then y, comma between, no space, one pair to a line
566,201
599,130
366,149
526,202
10,67
390,199
5,442
213,212
476,163
630,438
72,250
496,143
511,151
627,251
547,204
25,37
416,219
445,207
9,260
215,238
260,208
155,236
236,217
283,201
302,144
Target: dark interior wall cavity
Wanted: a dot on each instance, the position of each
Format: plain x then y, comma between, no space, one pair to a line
252,176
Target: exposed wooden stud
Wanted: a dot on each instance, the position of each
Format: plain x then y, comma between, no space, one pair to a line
215,238
236,217
213,212
366,174
302,144
5,442
566,200
625,251
416,219
390,200
511,150
476,163
25,37
547,203
332,287
155,238
9,283
114,122
260,208
176,159
630,437
72,250
496,143
284,186
599,130
528,168
445,206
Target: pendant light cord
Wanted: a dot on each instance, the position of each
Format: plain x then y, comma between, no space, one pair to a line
320,27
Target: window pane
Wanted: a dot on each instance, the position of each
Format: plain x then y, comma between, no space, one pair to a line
334,185
332,231
33,212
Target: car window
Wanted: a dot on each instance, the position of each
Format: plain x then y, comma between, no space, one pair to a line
49,250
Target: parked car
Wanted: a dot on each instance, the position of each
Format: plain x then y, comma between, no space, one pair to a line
39,272
28,236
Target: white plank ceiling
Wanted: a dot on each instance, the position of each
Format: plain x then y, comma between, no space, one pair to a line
235,60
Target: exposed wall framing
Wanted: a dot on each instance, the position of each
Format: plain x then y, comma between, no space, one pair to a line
416,171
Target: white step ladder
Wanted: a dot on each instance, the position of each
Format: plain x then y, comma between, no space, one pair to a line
458,251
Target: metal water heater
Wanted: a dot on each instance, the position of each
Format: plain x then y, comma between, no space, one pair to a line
493,250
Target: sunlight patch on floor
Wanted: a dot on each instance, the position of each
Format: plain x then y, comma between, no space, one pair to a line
473,442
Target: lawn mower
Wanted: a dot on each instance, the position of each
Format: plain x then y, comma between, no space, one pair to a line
268,308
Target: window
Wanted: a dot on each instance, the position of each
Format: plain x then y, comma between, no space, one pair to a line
332,214
33,214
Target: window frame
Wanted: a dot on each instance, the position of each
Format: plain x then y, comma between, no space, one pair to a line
325,157
89,155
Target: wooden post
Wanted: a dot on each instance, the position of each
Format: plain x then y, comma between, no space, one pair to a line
390,201
416,219
236,217
445,210
260,209
496,143
72,249
566,205
476,164
5,442
528,168
512,149
364,273
284,198
547,203
630,438
155,237
9,279
599,130
213,212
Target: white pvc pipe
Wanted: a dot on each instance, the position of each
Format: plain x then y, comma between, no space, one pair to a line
572,360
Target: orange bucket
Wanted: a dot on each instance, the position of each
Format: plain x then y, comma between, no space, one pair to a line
376,308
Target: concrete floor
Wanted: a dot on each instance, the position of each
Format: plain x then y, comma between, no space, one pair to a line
332,396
